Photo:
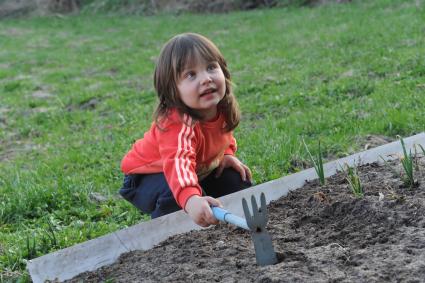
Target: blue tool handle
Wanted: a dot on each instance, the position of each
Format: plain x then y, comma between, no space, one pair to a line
225,216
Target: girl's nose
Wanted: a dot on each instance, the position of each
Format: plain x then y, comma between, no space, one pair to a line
206,79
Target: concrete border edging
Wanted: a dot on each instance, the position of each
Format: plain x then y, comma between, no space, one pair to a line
87,256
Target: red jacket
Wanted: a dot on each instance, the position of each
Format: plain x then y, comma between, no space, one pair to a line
185,152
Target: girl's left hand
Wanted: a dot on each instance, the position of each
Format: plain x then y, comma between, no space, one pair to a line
235,163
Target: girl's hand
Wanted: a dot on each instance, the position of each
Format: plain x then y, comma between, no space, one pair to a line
235,163
200,211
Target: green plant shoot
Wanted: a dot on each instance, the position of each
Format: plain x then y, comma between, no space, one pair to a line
407,162
317,162
422,148
353,180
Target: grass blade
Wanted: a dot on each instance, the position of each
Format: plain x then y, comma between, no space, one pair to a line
317,162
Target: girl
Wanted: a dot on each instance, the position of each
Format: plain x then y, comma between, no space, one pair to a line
187,158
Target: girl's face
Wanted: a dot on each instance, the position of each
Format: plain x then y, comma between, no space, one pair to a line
201,87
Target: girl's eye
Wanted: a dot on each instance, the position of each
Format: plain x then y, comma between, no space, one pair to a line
211,67
190,75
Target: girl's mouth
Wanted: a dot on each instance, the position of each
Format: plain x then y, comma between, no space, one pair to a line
208,91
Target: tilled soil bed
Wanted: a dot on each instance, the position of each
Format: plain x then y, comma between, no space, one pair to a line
321,234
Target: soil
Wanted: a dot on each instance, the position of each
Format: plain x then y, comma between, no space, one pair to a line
320,233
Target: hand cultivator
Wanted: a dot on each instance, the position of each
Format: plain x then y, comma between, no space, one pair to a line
256,224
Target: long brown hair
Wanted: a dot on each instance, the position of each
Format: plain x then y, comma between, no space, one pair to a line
178,53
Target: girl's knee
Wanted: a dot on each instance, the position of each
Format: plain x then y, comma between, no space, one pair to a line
150,193
165,204
143,191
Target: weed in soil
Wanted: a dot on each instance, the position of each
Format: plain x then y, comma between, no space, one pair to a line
318,163
407,160
353,180
423,149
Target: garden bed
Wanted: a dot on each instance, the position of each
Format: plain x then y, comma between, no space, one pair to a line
321,234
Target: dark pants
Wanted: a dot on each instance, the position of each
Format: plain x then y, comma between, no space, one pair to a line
151,194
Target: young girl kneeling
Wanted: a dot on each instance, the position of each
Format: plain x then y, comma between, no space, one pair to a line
187,158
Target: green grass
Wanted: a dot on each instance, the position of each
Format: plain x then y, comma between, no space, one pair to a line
334,73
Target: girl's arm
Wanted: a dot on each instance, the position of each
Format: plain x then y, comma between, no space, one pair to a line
230,160
232,147
177,147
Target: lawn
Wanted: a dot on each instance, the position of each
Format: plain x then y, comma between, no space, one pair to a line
76,91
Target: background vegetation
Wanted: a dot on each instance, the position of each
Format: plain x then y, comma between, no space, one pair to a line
15,8
76,91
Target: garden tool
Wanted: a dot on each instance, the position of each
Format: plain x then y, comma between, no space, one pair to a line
256,224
